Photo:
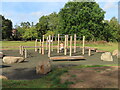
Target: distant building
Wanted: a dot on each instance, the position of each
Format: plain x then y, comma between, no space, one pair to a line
14,32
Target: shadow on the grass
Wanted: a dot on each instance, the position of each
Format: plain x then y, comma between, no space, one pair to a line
23,74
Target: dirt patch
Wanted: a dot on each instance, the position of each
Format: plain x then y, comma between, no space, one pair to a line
92,77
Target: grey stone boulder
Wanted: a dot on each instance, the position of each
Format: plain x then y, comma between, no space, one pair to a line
12,59
106,56
3,77
116,53
43,67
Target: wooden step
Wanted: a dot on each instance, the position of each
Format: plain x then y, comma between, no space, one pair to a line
67,57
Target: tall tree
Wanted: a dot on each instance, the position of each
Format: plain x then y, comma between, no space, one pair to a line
110,32
82,18
42,26
6,28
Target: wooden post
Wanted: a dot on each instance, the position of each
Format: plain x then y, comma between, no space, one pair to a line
83,49
58,43
36,45
49,46
65,46
74,43
25,53
70,45
47,43
40,47
52,43
89,52
43,46
20,49
67,41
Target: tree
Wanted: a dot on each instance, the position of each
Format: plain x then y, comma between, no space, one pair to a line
110,32
6,28
42,26
30,33
82,18
53,22
48,23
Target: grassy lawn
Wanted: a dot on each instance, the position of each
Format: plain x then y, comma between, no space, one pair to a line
14,45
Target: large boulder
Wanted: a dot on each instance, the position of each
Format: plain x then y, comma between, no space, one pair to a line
106,56
12,59
1,54
43,67
115,53
3,77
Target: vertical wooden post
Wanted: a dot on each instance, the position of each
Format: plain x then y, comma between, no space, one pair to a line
89,52
83,49
49,46
58,43
65,46
43,45
52,43
36,45
25,53
47,43
70,45
74,43
67,41
20,49
40,47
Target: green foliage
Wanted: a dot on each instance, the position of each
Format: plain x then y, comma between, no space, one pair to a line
6,28
110,32
42,26
30,33
26,31
83,18
48,23
49,33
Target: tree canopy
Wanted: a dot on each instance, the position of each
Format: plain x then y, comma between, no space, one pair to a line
6,28
83,18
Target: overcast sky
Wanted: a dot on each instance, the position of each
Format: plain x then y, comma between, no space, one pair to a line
31,10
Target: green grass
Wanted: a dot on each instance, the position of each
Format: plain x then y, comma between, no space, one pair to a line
15,44
85,66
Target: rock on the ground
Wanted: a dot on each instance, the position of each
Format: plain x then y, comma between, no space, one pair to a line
3,77
1,54
12,59
106,56
43,67
115,53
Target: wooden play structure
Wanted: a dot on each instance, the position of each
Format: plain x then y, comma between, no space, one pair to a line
69,43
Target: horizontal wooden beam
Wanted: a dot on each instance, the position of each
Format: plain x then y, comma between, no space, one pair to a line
91,48
67,58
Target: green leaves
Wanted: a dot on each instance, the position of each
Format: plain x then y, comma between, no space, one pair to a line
30,33
6,28
83,18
